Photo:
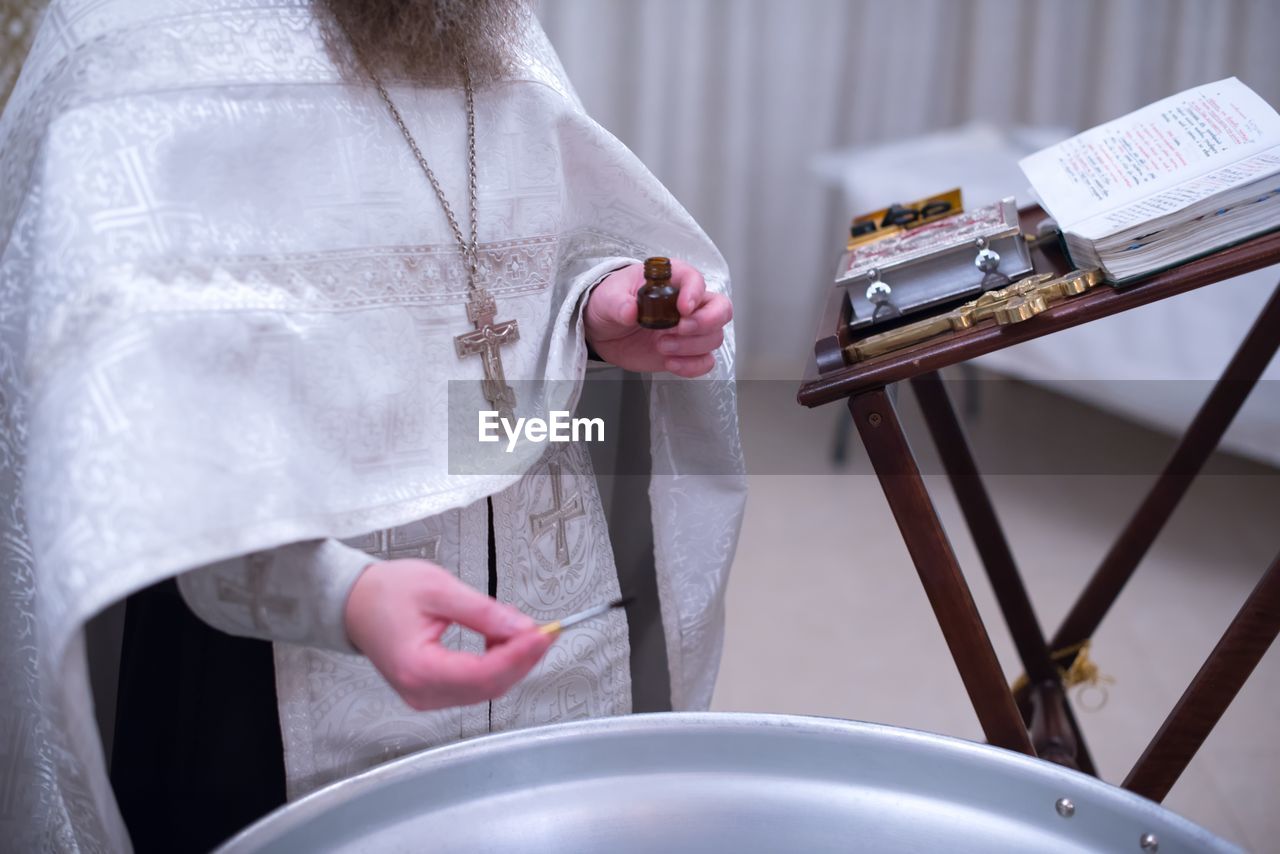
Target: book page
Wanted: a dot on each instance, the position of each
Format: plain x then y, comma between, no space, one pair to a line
1181,195
1151,151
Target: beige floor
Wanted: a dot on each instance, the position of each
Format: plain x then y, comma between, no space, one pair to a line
826,615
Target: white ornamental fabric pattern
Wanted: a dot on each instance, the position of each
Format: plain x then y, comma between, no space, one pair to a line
554,559
338,715
296,593
227,306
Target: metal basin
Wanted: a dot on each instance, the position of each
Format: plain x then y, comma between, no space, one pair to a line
721,782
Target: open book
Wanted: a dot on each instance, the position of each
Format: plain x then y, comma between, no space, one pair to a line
1172,181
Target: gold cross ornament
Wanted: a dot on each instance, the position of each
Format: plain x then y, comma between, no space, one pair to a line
1020,301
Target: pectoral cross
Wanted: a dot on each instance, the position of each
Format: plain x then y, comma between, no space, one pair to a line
485,341
562,510
253,594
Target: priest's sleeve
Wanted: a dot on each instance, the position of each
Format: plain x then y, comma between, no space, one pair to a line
295,593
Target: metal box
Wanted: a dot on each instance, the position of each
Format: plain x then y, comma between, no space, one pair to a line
954,258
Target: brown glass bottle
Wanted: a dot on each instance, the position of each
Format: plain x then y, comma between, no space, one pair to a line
657,299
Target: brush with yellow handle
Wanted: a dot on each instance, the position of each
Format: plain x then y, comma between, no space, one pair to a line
556,626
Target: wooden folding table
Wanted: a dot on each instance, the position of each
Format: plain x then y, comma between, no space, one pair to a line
1038,718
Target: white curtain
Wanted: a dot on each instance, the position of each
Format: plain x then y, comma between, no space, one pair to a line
729,101
17,26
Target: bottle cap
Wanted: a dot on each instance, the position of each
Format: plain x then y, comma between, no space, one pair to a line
657,268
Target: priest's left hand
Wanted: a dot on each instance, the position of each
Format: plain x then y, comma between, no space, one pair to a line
685,350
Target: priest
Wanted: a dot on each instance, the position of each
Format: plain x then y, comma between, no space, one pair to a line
259,262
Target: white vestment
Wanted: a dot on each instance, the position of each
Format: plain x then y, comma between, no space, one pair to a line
227,309
338,715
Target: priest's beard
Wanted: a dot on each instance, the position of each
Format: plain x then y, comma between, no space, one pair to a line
425,40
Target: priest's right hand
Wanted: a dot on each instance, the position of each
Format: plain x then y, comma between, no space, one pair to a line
396,613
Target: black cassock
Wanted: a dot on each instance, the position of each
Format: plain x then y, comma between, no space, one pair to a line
197,753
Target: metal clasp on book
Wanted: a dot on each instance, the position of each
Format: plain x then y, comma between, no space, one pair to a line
987,259
880,295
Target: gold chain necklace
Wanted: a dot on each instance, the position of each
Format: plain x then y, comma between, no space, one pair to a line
488,335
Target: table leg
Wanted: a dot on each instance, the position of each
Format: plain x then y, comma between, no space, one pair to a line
988,536
935,561
1224,672
997,558
1200,440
